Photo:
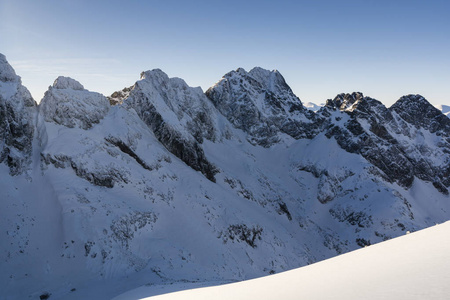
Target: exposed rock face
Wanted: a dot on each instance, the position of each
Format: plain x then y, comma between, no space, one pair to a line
363,132
346,102
262,104
17,109
426,139
118,96
7,73
68,103
394,140
417,111
180,117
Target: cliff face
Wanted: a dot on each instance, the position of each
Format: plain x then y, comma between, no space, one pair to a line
261,103
409,140
17,109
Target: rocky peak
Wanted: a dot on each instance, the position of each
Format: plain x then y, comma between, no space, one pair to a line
261,103
393,139
180,116
417,111
181,106
238,72
154,75
345,101
17,108
62,83
68,103
362,107
272,81
117,97
7,72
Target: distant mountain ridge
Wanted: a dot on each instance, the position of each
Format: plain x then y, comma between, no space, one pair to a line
312,106
162,183
445,109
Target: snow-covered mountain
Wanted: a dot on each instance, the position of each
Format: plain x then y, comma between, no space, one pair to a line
171,184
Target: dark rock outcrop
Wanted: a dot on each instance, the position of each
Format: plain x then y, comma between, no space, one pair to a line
392,139
179,116
17,109
261,103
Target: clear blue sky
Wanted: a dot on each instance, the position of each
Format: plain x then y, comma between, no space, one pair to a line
384,49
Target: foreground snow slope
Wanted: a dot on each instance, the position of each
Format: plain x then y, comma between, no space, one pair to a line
415,266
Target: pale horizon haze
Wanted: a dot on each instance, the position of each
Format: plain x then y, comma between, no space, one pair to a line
384,49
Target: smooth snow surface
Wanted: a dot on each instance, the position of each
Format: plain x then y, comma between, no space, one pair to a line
414,266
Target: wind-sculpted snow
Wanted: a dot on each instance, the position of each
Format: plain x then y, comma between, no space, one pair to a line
17,109
263,105
68,103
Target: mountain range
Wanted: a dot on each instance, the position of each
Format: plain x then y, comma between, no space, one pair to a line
164,183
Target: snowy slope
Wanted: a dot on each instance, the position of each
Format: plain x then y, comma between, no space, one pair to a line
416,266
